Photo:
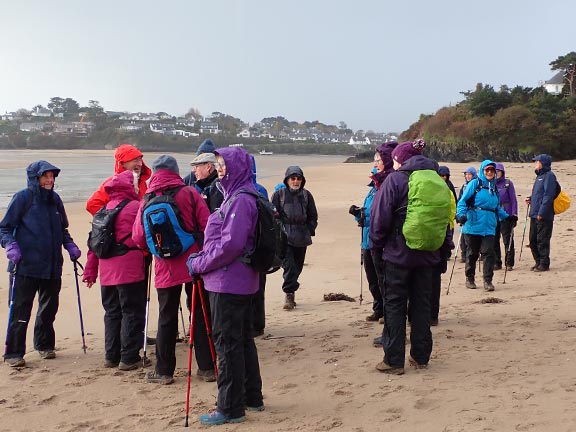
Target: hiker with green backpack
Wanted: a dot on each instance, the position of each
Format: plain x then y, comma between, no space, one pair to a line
410,219
478,212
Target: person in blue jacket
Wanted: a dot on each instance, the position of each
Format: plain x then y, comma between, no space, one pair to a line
478,211
33,231
469,175
541,213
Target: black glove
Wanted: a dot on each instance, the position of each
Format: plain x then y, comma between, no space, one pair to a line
513,219
462,219
355,210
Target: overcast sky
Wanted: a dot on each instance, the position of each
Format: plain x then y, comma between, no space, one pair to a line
375,64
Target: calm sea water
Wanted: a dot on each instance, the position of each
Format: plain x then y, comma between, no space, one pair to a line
83,171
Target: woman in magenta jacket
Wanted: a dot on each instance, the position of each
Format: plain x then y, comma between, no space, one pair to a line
122,281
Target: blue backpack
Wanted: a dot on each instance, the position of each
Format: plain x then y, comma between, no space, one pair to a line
164,229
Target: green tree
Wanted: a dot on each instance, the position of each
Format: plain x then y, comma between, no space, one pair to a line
567,63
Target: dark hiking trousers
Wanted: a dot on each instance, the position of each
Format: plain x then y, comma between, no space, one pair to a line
540,235
436,284
239,381
168,306
259,306
25,289
292,265
480,245
402,286
463,246
201,342
372,278
124,319
504,229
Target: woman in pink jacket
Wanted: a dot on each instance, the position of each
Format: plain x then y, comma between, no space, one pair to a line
122,281
170,273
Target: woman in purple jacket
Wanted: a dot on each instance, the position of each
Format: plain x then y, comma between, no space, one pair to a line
230,232
505,228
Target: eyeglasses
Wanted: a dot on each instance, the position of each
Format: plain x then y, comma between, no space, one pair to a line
377,161
489,169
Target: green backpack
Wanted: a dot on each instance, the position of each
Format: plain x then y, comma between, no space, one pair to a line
429,211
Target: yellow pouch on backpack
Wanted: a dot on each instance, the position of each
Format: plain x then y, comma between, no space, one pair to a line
561,202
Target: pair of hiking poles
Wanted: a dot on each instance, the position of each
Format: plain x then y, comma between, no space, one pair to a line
12,291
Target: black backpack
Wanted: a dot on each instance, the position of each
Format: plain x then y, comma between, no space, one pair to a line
102,238
271,239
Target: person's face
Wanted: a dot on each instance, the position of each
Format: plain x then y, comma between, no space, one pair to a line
203,170
445,177
489,173
378,163
468,176
46,180
294,182
220,167
134,165
499,173
397,165
538,165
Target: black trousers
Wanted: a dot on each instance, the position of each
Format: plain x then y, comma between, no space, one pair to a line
293,264
25,289
373,286
477,245
505,230
259,306
239,381
168,304
124,319
201,342
540,235
402,286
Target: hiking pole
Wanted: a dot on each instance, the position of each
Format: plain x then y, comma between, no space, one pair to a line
10,304
454,263
76,264
190,346
147,313
361,225
208,325
524,232
508,254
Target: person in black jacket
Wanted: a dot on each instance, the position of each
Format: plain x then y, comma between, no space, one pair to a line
33,231
300,219
207,183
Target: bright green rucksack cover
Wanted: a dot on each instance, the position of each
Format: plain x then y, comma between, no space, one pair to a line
429,211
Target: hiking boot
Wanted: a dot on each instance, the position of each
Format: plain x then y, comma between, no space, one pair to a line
15,362
155,378
255,408
417,365
217,418
150,340
377,342
541,268
373,317
497,267
386,368
47,355
470,284
125,367
534,267
111,363
381,320
488,286
509,268
207,375
289,302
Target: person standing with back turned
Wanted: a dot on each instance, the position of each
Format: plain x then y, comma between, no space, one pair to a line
300,219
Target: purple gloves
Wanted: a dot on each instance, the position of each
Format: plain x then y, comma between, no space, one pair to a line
73,251
13,252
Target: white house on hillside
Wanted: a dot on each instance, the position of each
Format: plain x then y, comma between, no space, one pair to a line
555,84
359,141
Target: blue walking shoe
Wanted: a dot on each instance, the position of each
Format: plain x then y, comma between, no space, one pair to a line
216,418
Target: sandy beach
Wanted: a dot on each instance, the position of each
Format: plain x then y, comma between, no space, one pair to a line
505,366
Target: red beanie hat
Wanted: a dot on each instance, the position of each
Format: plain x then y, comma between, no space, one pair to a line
125,153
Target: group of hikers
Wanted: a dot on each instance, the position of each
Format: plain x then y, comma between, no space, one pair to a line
404,275
200,230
